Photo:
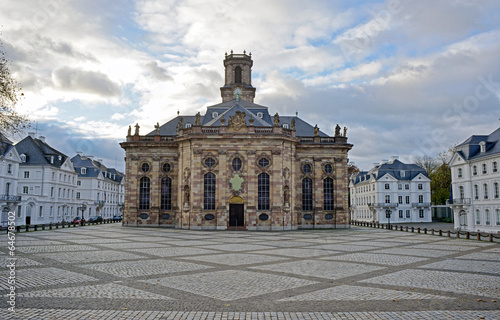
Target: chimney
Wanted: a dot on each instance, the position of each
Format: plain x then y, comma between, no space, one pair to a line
394,158
42,138
383,161
375,164
31,134
79,153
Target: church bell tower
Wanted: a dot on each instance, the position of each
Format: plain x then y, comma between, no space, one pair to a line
238,75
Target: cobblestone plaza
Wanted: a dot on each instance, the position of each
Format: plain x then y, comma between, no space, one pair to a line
112,272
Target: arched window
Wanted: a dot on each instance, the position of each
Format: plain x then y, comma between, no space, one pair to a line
485,188
485,168
328,194
495,166
497,191
498,217
236,164
462,192
307,194
387,199
476,192
478,216
460,172
166,194
474,170
144,187
209,191
263,191
488,217
237,75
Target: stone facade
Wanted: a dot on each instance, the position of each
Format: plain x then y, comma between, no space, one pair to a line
236,167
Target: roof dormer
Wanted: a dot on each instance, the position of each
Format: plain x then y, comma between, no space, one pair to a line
482,145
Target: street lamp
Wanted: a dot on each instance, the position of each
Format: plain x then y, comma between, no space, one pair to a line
388,216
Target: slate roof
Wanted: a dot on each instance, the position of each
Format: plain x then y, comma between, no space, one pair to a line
394,168
5,145
39,153
471,149
229,108
94,168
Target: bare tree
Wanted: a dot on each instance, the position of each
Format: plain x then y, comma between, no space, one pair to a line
427,163
10,92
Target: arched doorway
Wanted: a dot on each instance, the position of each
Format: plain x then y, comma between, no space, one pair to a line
236,212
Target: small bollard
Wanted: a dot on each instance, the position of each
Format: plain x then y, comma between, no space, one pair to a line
425,230
458,234
43,227
440,232
27,228
490,237
432,231
57,225
406,229
412,229
448,233
50,226
400,228
479,236
18,229
418,229
35,227
467,235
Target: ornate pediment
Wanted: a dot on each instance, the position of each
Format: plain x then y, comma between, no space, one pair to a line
237,122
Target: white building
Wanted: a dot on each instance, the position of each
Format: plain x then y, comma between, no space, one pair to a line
101,190
475,183
391,192
47,184
9,169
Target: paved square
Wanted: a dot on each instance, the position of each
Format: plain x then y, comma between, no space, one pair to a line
114,272
231,285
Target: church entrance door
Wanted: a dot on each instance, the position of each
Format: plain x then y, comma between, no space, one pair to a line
236,215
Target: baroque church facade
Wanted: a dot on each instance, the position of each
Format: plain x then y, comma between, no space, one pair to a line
236,167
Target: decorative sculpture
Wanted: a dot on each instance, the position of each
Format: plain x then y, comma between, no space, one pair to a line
197,121
345,131
316,131
276,120
337,131
293,124
136,129
157,128
129,133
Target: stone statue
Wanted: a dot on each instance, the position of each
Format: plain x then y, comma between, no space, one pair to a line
276,120
157,128
222,121
180,125
316,131
337,131
345,131
197,121
286,195
186,195
129,131
251,120
293,124
136,129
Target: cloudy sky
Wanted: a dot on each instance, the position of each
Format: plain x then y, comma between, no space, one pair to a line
408,78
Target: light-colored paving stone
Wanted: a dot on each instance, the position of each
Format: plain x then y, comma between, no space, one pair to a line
384,259
237,247
90,256
416,252
466,265
174,251
231,284
475,284
493,256
27,278
235,259
344,247
355,293
297,252
18,261
98,291
321,269
128,269
133,245
40,249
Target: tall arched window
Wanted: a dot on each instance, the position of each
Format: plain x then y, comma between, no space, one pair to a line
497,192
488,216
307,194
478,216
237,75
263,191
144,187
209,191
166,194
7,189
485,189
328,194
462,192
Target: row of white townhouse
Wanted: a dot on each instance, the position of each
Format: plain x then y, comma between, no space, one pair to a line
41,185
475,178
391,192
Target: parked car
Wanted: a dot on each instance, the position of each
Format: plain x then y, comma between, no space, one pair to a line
95,219
77,220
117,218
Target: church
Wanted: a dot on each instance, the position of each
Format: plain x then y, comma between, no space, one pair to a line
237,167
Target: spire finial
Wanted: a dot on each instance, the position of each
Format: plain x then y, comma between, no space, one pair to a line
244,52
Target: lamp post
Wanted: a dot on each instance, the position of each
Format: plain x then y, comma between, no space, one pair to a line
388,216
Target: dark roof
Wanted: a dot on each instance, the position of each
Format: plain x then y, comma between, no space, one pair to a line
5,145
94,168
228,109
394,168
471,148
39,152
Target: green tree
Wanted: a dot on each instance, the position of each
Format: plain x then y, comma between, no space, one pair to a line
440,184
10,92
